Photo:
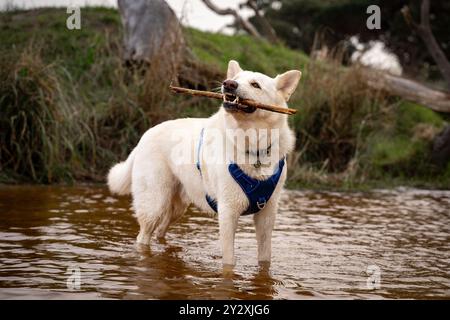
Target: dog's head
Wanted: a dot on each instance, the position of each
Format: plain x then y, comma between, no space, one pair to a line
242,84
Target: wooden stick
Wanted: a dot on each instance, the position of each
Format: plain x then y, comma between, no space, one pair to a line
246,102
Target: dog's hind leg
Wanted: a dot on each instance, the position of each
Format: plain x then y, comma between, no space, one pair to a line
178,208
153,191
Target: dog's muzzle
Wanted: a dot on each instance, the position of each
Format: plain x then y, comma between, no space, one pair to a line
231,99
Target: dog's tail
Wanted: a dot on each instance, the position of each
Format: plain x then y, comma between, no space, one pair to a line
119,176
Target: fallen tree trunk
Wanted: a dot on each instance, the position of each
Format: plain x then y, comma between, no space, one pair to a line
409,90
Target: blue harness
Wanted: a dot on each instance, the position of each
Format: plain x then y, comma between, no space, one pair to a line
258,192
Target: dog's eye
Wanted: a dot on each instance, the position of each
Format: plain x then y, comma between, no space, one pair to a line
255,85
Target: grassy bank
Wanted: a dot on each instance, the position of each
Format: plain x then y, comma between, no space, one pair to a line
70,109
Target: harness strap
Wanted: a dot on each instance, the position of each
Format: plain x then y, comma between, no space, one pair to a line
199,147
258,192
212,202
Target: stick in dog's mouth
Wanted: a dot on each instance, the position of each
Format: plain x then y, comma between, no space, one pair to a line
231,104
229,97
245,105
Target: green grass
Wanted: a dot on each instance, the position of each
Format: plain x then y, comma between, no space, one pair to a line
411,114
392,150
256,55
70,109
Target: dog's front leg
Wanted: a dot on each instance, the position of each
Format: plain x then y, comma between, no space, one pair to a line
227,224
264,223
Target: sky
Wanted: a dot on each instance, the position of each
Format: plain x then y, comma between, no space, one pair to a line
191,12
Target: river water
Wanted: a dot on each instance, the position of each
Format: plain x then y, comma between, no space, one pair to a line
78,242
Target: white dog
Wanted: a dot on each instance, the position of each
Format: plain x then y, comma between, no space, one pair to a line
199,161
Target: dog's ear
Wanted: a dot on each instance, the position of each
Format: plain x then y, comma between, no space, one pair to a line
233,69
287,82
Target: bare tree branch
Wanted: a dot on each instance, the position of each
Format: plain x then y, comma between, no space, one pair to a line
425,14
270,33
245,24
408,17
424,31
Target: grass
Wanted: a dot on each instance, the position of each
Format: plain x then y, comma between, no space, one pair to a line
218,49
70,109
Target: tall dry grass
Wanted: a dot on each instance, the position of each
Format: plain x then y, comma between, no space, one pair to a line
40,125
337,113
56,127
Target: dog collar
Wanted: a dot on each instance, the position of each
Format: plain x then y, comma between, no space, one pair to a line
257,165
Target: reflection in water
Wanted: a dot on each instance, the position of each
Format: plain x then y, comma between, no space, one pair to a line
323,244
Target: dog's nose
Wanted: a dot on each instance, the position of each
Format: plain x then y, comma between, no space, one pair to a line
230,85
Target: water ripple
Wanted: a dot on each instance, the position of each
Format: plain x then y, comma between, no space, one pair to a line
323,244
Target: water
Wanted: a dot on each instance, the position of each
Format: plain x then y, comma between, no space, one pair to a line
323,245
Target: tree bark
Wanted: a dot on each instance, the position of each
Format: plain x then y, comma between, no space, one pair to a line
245,24
441,148
151,30
424,31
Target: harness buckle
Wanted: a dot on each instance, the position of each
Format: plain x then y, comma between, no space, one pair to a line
261,203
